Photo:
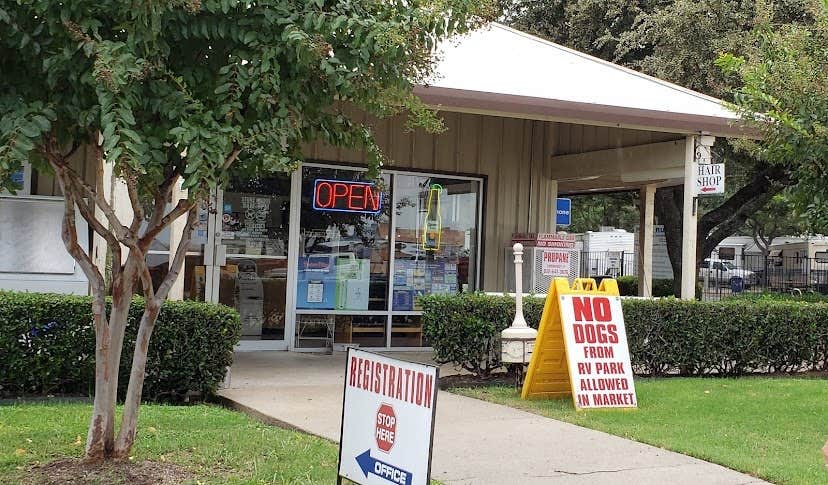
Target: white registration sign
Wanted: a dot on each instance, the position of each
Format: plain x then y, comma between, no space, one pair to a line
387,420
710,179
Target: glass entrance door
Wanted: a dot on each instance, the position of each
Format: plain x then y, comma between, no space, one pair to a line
251,255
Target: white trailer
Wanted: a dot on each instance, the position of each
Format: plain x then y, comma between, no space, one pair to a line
608,252
802,265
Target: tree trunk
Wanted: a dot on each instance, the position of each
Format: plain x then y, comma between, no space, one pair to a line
668,210
100,441
716,224
132,402
126,273
103,419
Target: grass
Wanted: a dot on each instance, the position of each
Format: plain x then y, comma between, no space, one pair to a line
773,428
218,445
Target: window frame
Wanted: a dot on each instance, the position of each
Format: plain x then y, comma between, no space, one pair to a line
389,312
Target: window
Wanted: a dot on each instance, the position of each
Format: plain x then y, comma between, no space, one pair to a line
435,248
368,250
344,244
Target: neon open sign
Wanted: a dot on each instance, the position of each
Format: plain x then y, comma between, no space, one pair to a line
346,196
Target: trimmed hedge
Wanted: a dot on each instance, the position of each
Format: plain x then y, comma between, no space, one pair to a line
665,335
47,346
628,286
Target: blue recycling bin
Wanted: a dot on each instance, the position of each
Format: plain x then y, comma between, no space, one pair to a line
737,284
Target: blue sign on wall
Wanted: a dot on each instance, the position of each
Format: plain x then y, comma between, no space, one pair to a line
563,213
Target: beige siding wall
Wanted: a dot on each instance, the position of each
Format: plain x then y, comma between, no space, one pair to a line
508,152
585,138
82,161
512,154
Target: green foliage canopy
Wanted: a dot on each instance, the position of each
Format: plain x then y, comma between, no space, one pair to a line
784,95
191,87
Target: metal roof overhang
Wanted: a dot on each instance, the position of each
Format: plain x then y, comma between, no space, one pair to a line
526,107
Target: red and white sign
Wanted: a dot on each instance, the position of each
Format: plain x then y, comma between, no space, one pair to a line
386,427
596,352
543,240
555,263
710,178
387,420
346,196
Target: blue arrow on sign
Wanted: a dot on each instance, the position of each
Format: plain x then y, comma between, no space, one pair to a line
369,464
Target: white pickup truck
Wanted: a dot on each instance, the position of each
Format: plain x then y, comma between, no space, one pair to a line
718,272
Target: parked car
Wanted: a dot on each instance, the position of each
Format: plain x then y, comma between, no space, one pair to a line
722,272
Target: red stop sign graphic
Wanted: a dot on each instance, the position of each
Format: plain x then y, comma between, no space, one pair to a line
386,430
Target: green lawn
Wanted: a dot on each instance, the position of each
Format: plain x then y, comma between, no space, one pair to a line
770,428
218,445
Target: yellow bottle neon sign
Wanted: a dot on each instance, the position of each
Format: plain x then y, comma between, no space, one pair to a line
433,224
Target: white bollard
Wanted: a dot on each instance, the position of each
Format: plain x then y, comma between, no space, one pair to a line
519,321
518,341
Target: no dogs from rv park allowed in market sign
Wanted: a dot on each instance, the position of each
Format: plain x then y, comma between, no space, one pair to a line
388,410
581,349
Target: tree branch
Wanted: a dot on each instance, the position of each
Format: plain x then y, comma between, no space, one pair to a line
72,150
161,195
183,206
769,180
89,216
121,232
731,224
69,234
232,157
134,200
180,255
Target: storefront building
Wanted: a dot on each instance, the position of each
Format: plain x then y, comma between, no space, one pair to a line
323,256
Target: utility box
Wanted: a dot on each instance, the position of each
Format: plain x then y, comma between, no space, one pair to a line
545,257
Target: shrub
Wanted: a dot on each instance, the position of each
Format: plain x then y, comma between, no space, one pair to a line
465,329
691,337
47,345
628,286
806,296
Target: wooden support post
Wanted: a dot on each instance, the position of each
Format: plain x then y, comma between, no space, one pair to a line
645,241
689,223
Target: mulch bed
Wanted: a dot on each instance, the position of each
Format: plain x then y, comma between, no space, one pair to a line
466,380
122,472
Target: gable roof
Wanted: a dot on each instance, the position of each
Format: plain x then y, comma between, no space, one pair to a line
502,71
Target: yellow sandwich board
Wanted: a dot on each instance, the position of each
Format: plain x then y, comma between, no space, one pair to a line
581,349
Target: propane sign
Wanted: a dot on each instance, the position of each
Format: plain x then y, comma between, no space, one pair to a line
710,178
387,420
555,262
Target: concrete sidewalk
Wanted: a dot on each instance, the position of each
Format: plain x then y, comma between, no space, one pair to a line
475,441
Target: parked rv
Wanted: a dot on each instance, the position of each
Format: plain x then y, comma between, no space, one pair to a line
802,265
